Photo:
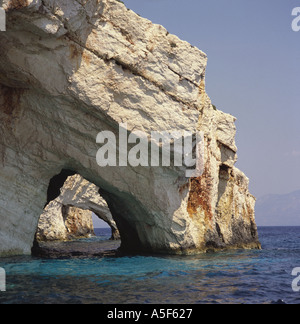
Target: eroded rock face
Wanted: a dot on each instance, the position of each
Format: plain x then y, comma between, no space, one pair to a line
64,223
70,214
70,69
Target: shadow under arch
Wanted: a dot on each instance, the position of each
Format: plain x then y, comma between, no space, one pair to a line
142,229
56,183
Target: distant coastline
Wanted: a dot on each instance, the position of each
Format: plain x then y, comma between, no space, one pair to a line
278,210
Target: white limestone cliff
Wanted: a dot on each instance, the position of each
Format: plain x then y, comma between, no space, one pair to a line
70,69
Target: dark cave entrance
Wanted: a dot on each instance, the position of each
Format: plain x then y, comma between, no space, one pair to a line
56,183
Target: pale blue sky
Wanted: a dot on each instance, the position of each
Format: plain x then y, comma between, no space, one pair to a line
253,73
99,223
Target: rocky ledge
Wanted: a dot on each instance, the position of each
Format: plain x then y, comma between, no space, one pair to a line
71,69
76,249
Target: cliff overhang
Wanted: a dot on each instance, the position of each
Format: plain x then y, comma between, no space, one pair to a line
69,70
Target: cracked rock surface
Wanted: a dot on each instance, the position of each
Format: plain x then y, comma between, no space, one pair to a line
71,69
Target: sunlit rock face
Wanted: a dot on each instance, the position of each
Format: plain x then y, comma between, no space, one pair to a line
62,223
71,69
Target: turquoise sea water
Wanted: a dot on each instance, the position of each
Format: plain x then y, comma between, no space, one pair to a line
225,277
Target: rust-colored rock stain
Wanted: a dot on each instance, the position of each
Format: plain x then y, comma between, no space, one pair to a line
17,4
201,193
10,100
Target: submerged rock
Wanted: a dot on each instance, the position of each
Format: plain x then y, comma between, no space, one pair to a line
71,69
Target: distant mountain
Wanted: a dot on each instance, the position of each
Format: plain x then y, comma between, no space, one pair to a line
278,210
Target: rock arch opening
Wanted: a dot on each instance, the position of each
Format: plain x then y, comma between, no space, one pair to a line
72,202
